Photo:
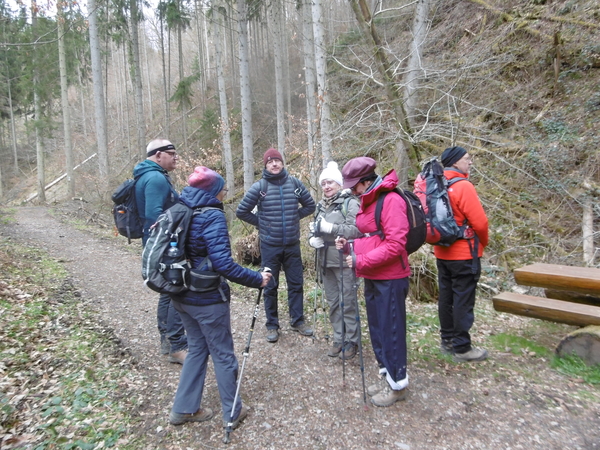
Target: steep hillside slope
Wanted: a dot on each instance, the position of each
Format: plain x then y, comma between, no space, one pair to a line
515,82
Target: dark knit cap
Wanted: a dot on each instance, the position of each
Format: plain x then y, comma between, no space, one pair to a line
356,169
451,155
270,154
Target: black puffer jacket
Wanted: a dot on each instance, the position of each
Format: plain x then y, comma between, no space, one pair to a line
278,216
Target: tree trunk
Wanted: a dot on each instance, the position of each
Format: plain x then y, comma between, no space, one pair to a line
245,96
12,124
310,82
584,343
321,67
286,70
39,148
148,83
225,135
62,62
165,82
275,15
127,121
587,229
99,106
136,78
233,70
404,145
181,76
414,70
202,66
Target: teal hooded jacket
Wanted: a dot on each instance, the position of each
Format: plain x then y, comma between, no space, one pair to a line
154,193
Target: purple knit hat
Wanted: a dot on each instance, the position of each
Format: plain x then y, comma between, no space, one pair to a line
206,179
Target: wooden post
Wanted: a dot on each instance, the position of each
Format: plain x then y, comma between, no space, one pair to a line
587,231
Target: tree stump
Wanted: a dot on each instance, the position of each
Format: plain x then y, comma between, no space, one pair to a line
584,342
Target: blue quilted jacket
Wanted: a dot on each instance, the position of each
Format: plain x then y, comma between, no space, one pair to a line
208,235
278,216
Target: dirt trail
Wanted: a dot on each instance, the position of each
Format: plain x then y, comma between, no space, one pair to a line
295,392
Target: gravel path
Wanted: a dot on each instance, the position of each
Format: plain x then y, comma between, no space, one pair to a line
295,391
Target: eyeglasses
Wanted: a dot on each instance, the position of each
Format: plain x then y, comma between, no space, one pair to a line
173,154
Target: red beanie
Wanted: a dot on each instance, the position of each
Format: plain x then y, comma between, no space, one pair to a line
270,154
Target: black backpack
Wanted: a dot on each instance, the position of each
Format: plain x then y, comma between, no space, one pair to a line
125,213
416,219
165,267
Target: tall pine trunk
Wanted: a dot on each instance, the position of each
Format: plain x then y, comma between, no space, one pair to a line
321,68
245,94
136,78
275,15
310,82
225,133
99,106
37,107
62,63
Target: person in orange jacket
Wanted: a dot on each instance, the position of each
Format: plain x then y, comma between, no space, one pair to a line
459,266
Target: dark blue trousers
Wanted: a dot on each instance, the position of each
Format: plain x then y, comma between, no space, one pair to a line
386,314
289,258
170,325
456,301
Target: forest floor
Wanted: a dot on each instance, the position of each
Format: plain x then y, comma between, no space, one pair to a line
296,393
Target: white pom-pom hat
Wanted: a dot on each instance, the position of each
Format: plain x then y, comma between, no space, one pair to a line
331,172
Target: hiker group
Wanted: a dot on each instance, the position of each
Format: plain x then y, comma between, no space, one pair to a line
364,226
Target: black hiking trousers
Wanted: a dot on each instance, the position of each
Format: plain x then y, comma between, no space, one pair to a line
456,301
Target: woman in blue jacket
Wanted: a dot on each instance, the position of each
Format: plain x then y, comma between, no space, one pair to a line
206,315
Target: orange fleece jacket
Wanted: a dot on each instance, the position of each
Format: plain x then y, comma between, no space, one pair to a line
466,207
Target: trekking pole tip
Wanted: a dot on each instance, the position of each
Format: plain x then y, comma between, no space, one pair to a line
227,437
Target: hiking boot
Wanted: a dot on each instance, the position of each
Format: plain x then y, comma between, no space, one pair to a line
178,357
377,387
241,416
202,415
335,349
349,351
272,335
388,396
446,347
475,354
303,329
165,347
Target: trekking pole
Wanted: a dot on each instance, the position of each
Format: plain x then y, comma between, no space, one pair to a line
316,286
360,352
341,252
229,428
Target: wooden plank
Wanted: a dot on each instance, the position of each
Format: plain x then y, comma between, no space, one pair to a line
585,280
547,309
570,296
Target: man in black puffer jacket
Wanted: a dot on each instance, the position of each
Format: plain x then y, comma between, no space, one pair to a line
278,216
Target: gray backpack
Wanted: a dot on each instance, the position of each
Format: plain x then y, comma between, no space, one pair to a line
165,267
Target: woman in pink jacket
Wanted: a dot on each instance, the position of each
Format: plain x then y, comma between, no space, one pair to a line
381,259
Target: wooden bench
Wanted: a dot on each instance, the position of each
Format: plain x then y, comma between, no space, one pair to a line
574,300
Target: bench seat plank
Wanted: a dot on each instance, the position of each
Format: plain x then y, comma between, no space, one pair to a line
547,309
585,280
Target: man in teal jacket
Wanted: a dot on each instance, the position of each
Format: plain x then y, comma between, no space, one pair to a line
154,193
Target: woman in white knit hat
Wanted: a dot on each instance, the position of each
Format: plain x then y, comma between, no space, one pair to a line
336,216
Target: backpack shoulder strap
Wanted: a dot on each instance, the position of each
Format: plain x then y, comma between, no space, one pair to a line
344,207
451,181
297,186
378,208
